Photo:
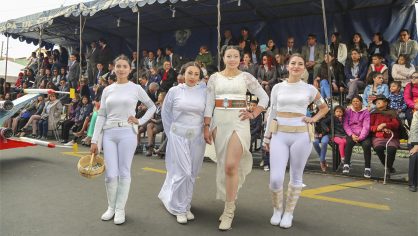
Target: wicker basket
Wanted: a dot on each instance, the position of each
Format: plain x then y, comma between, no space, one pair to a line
91,166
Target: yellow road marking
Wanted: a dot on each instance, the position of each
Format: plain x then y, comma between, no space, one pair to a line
78,154
155,170
314,194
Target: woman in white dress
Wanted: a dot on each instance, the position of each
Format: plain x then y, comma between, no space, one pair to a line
182,116
230,128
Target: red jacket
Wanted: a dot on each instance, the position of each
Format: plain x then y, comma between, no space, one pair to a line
392,123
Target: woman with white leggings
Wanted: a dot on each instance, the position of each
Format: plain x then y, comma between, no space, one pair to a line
116,128
289,136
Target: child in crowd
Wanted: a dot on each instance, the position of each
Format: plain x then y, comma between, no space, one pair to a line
396,99
265,162
378,66
320,143
255,124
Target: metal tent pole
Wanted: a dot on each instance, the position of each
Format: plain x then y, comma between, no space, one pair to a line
39,48
138,26
219,34
7,59
81,46
335,159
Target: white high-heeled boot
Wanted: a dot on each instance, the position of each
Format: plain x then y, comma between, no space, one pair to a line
277,199
121,198
227,216
111,189
293,193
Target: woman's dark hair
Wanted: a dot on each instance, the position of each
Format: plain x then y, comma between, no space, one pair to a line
230,47
339,107
122,57
379,35
371,76
191,63
407,61
357,97
85,96
337,37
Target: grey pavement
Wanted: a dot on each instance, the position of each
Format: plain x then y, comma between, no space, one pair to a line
41,193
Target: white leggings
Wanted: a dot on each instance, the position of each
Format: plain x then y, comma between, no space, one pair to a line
284,146
119,146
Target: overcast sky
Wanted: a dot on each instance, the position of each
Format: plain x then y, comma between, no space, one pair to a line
26,7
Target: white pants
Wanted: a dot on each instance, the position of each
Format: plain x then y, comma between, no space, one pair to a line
119,146
284,146
183,160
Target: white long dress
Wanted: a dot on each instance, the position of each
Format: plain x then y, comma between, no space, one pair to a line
227,121
182,116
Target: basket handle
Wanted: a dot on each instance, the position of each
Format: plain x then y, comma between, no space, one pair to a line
91,163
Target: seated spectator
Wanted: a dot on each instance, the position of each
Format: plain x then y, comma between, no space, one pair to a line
160,58
378,66
313,53
266,73
144,82
83,88
19,121
153,91
281,69
100,73
48,75
50,116
411,97
383,124
255,52
63,74
413,159
180,79
337,77
228,38
404,46
321,141
29,78
357,128
34,118
379,46
396,100
289,49
271,48
204,56
402,70
337,48
168,77
255,124
19,81
358,43
374,88
39,77
64,87
55,77
67,124
154,76
355,71
150,62
81,118
247,65
340,137
155,125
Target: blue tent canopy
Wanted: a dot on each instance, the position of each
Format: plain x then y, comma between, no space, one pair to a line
188,24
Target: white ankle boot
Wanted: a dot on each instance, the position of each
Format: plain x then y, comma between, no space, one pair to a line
189,215
111,189
277,199
181,219
227,216
121,198
293,193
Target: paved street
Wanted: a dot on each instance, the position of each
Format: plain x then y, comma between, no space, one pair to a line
41,193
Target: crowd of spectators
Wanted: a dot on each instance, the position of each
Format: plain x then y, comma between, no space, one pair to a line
378,83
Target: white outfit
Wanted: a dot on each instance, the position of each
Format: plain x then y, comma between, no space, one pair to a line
289,97
401,73
182,116
227,121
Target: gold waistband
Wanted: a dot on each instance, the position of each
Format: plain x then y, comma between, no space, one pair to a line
230,103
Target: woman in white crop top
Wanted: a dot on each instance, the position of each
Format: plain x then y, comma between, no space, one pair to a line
116,126
228,120
287,137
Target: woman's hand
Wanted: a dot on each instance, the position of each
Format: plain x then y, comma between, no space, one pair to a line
93,149
309,120
207,135
245,114
133,120
413,150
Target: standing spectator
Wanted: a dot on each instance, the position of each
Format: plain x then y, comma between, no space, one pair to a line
413,159
100,71
92,59
402,69
379,46
73,71
174,59
358,43
255,52
374,88
355,72
384,122
337,48
266,73
289,49
357,128
396,100
411,97
168,76
405,46
313,54
246,36
64,55
228,38
378,66
105,55
204,56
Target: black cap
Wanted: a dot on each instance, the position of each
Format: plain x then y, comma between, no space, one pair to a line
380,97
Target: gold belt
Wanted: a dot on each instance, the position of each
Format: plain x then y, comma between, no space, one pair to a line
276,127
230,103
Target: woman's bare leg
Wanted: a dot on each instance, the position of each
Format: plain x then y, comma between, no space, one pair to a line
233,157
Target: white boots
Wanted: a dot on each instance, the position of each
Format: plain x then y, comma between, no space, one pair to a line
121,198
277,199
227,216
111,189
293,193
117,195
